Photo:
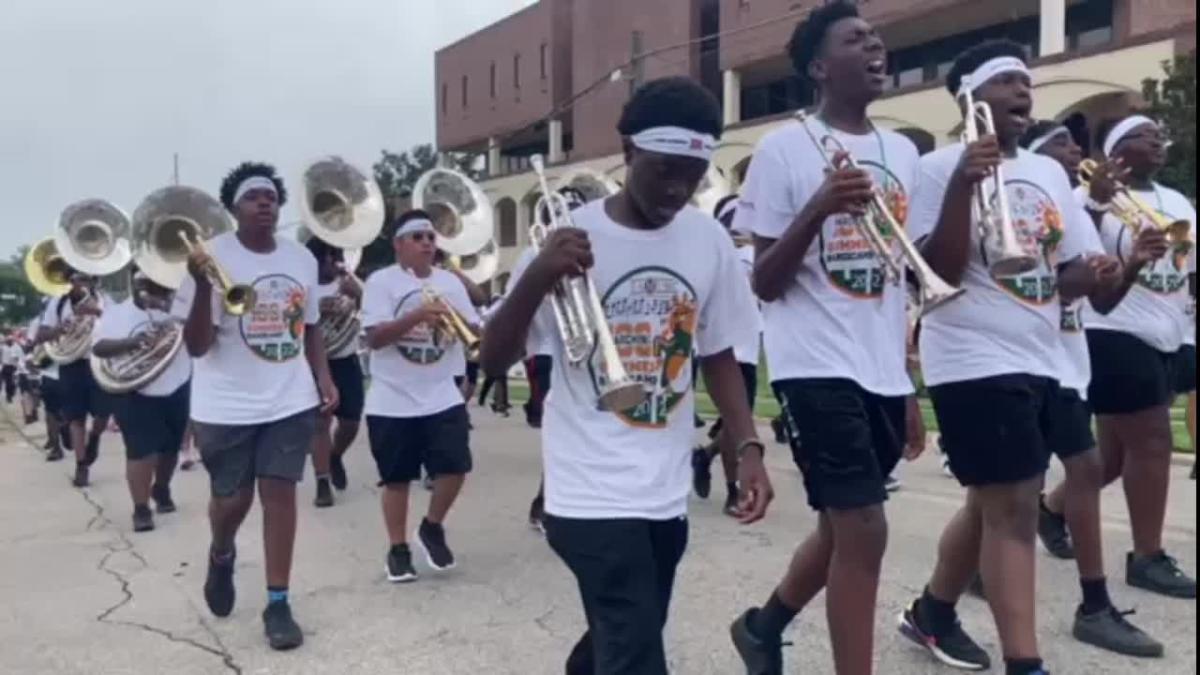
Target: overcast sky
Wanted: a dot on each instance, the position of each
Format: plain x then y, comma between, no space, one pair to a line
96,95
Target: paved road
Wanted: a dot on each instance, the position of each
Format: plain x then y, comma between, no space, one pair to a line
80,593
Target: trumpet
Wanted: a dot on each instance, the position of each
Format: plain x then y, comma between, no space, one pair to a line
453,323
1005,255
236,298
878,223
1135,213
582,323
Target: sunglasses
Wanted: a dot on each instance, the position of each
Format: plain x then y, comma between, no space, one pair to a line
423,236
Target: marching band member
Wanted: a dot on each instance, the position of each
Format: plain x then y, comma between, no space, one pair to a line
617,482
835,333
152,419
11,356
257,383
415,414
1132,350
345,368
992,358
48,386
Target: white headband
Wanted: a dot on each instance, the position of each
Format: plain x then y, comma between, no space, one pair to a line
414,226
253,183
676,141
1043,140
1122,131
990,69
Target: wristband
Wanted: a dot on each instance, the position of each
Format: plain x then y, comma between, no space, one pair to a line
751,443
1097,207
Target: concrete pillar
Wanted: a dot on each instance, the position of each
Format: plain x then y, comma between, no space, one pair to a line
493,158
556,154
1054,27
733,97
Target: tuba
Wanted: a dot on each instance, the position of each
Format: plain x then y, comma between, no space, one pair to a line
1005,255
134,370
462,213
589,184
878,224
1135,213
340,321
582,322
46,270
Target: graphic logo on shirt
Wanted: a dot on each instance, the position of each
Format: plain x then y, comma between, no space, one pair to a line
274,328
1165,276
1039,226
423,345
1072,318
653,313
846,255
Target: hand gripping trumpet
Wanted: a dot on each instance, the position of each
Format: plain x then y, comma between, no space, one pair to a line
1135,213
582,322
452,322
878,223
236,298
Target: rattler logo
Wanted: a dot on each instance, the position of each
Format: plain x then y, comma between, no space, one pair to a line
274,328
1165,276
846,256
1039,226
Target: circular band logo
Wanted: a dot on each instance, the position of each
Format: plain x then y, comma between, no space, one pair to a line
847,257
1165,276
274,328
1039,226
423,345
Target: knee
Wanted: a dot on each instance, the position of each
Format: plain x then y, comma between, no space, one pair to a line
865,531
1088,472
1013,513
275,492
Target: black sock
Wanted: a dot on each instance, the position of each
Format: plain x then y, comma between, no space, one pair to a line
936,615
1023,666
731,488
769,622
1095,595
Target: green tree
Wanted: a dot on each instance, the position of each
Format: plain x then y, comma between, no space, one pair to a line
19,302
1173,101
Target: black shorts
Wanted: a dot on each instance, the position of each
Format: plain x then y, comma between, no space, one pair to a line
845,439
26,384
996,430
1071,425
750,379
347,376
1183,378
81,396
152,425
52,396
402,445
1128,375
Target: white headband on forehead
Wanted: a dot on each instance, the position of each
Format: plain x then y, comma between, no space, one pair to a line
990,69
414,226
253,183
676,141
1047,137
1122,131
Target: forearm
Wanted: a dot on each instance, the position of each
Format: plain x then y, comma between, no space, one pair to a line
723,380
947,249
508,329
314,351
198,331
107,349
1076,280
778,261
1105,299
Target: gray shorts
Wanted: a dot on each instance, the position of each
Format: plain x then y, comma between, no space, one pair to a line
236,455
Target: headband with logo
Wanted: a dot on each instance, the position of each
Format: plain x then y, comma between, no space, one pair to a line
676,141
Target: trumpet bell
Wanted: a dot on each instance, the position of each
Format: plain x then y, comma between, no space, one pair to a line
342,204
461,212
165,221
93,237
46,270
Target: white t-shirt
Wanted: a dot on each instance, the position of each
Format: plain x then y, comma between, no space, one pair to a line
1155,311
748,347
669,294
327,291
256,370
125,320
1077,361
414,377
11,355
840,318
1004,325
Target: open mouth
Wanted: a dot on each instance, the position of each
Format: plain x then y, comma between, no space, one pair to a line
877,67
1020,114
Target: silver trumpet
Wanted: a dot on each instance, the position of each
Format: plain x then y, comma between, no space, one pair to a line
1005,255
878,223
582,322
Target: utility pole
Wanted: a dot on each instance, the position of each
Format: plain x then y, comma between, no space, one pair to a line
176,172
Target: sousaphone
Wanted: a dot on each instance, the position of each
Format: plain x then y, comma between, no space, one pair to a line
341,204
462,213
47,271
163,223
92,236
589,184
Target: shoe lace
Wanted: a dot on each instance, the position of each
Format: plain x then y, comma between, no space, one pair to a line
1171,565
1120,616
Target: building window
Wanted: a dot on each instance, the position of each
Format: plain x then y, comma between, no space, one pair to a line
774,98
464,91
516,71
1090,24
445,98
492,81
544,56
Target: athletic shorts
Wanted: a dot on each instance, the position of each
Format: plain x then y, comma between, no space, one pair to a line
347,375
402,445
152,425
996,430
1183,379
237,454
750,380
845,439
1071,425
80,395
1128,375
25,384
52,396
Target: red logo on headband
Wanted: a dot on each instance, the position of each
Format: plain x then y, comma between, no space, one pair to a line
697,144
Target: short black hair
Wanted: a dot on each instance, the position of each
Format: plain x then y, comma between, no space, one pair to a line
246,170
809,36
400,220
721,205
672,102
1037,130
976,56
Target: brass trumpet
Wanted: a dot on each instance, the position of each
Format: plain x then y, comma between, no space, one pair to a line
453,323
1005,255
236,298
878,223
1135,213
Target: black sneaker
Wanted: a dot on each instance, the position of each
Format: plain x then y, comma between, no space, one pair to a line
892,484
760,657
698,422
81,476
954,648
732,496
219,591
779,431
1159,574
92,450
976,587
324,498
337,473
1109,629
1052,530
701,473
281,629
400,569
143,518
537,515
432,540
163,502
49,445
55,455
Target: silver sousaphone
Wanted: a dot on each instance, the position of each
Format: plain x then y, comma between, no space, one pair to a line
462,213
